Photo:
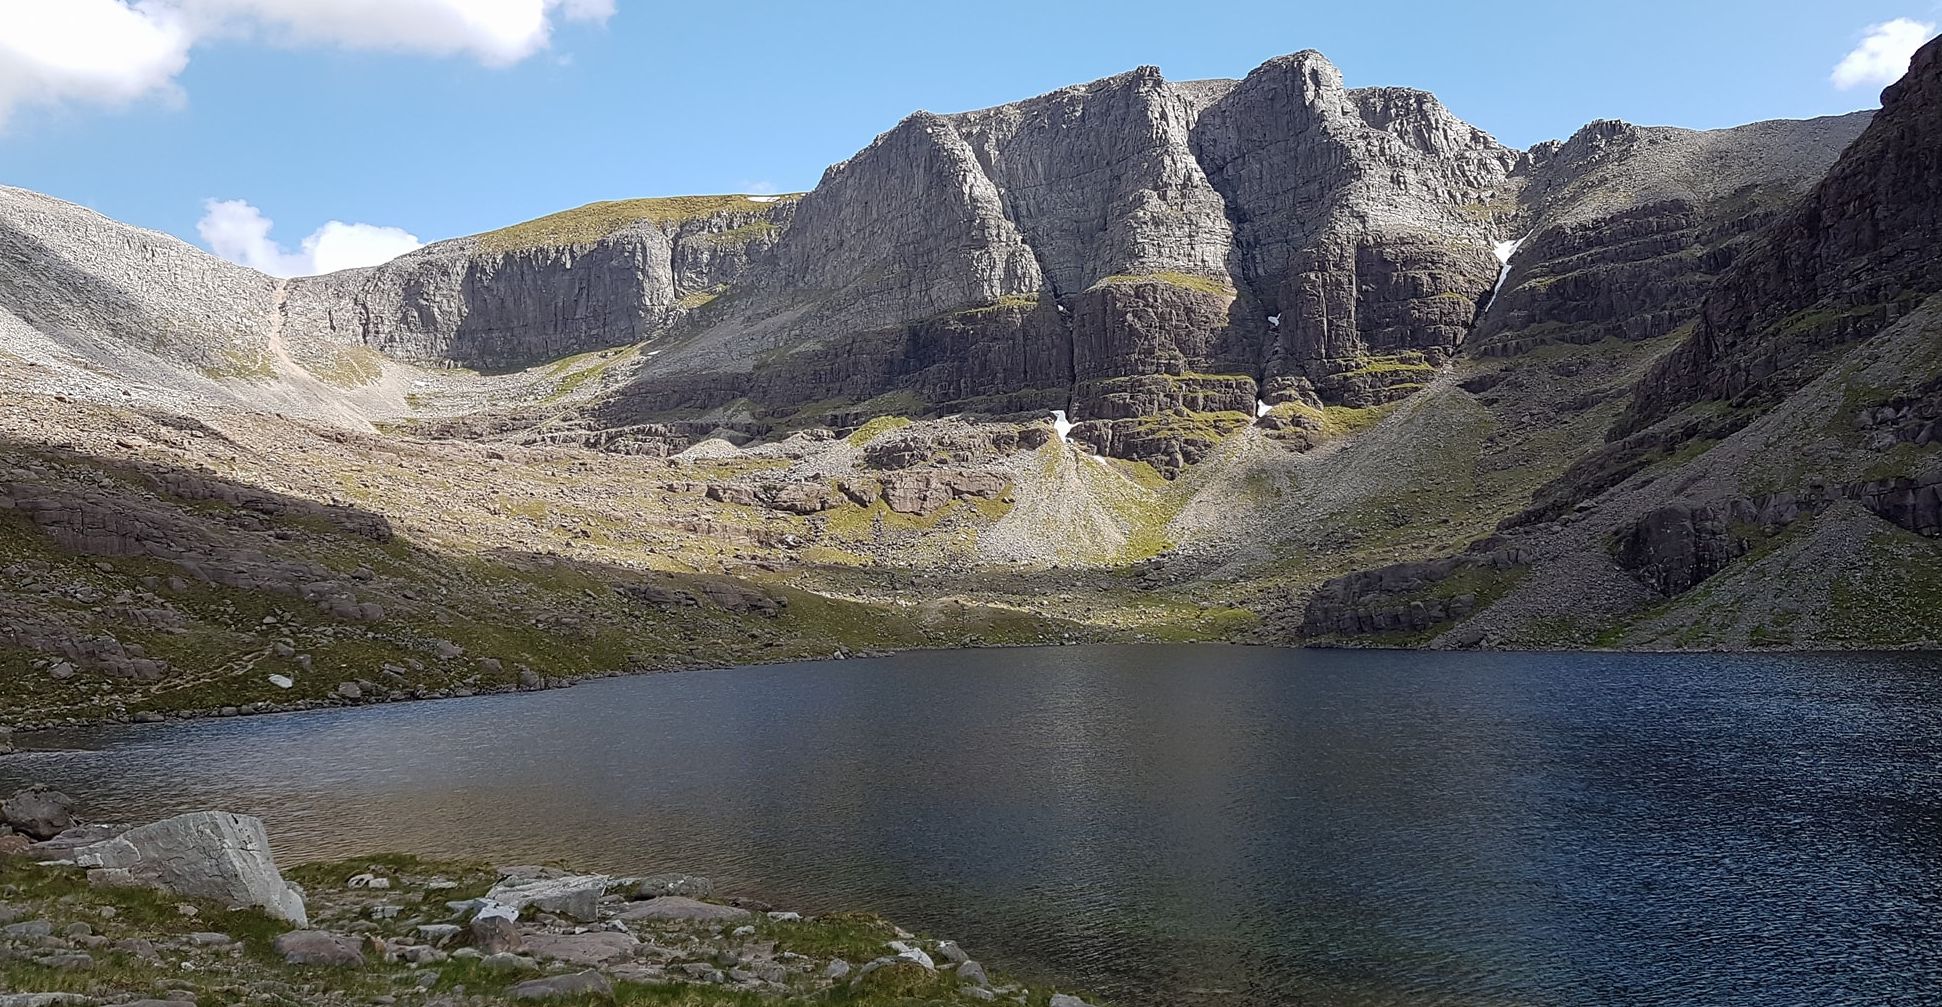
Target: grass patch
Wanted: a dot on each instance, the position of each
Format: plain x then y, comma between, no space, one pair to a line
1341,421
876,428
1401,363
1204,284
594,221
239,365
349,366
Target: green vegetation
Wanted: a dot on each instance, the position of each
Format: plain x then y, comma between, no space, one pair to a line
876,428
594,221
697,298
231,364
1217,286
1341,421
349,366
1817,321
1894,597
1009,302
744,234
1393,364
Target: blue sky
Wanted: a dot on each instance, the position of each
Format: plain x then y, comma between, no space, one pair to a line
314,122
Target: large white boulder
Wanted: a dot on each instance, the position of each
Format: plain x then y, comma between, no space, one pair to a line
207,855
576,897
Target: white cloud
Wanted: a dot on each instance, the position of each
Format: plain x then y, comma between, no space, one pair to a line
1882,57
100,51
239,232
495,32
114,51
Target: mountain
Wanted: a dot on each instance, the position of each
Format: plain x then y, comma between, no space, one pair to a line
1338,367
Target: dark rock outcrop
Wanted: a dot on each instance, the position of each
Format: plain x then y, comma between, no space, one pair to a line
1677,546
1914,503
1407,598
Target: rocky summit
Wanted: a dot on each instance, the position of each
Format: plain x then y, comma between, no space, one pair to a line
1263,360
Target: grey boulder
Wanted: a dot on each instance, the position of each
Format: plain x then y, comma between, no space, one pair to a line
207,855
316,947
576,897
582,949
973,973
578,984
38,812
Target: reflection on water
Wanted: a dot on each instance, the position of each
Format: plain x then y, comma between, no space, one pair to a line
1160,823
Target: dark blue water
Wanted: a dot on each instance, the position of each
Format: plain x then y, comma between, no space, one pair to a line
1165,825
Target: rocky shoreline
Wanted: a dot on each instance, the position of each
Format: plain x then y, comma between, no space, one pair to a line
193,910
343,698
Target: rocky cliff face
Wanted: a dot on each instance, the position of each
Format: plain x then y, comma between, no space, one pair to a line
1861,251
1124,249
1626,228
602,276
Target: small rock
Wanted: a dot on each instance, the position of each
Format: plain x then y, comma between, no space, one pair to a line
950,952
912,953
508,963
973,973
439,934
495,933
685,885
836,969
30,930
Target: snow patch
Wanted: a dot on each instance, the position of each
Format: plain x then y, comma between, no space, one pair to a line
1274,321
763,199
1060,425
1261,408
1504,251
